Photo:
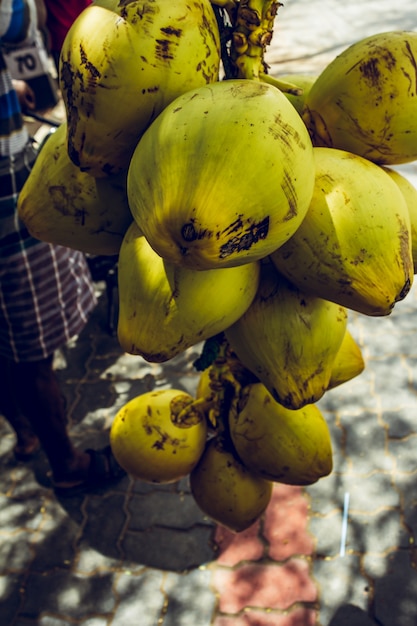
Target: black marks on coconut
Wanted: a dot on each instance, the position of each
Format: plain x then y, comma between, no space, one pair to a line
139,12
288,188
166,44
370,71
94,73
163,49
243,239
190,233
154,89
370,68
286,134
411,57
169,31
67,79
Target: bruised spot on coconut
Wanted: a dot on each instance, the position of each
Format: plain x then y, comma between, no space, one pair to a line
240,243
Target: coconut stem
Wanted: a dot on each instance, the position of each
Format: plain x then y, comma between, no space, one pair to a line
252,33
245,35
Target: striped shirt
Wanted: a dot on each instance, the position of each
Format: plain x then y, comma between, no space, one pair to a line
46,291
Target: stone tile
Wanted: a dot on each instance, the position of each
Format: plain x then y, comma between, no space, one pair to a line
72,507
351,398
17,513
189,598
375,565
93,397
339,582
373,492
340,462
405,484
144,487
404,452
410,523
54,546
296,617
395,592
105,523
48,620
68,595
169,549
365,444
327,530
183,485
11,596
140,599
285,524
131,367
398,422
392,381
350,615
326,494
7,483
264,586
89,561
15,552
378,532
164,509
234,548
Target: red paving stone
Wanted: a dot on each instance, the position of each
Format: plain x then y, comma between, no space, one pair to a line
285,526
234,548
297,617
267,566
270,586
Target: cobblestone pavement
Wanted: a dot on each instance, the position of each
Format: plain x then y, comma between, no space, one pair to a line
145,555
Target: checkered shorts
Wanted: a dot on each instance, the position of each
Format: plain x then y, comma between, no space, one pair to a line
46,291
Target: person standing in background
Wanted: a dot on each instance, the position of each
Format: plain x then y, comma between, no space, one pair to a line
46,296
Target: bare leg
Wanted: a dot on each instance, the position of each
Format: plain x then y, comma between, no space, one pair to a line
26,440
41,402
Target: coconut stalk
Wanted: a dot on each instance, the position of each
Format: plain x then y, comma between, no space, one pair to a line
248,31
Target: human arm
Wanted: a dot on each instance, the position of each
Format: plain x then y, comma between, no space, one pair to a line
25,95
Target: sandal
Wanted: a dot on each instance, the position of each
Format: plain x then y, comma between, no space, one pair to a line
26,453
103,470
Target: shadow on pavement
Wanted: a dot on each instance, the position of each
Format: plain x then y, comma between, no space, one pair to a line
157,526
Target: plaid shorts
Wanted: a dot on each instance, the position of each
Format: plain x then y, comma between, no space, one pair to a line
46,291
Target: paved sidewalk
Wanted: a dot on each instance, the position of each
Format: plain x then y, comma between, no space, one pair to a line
140,554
